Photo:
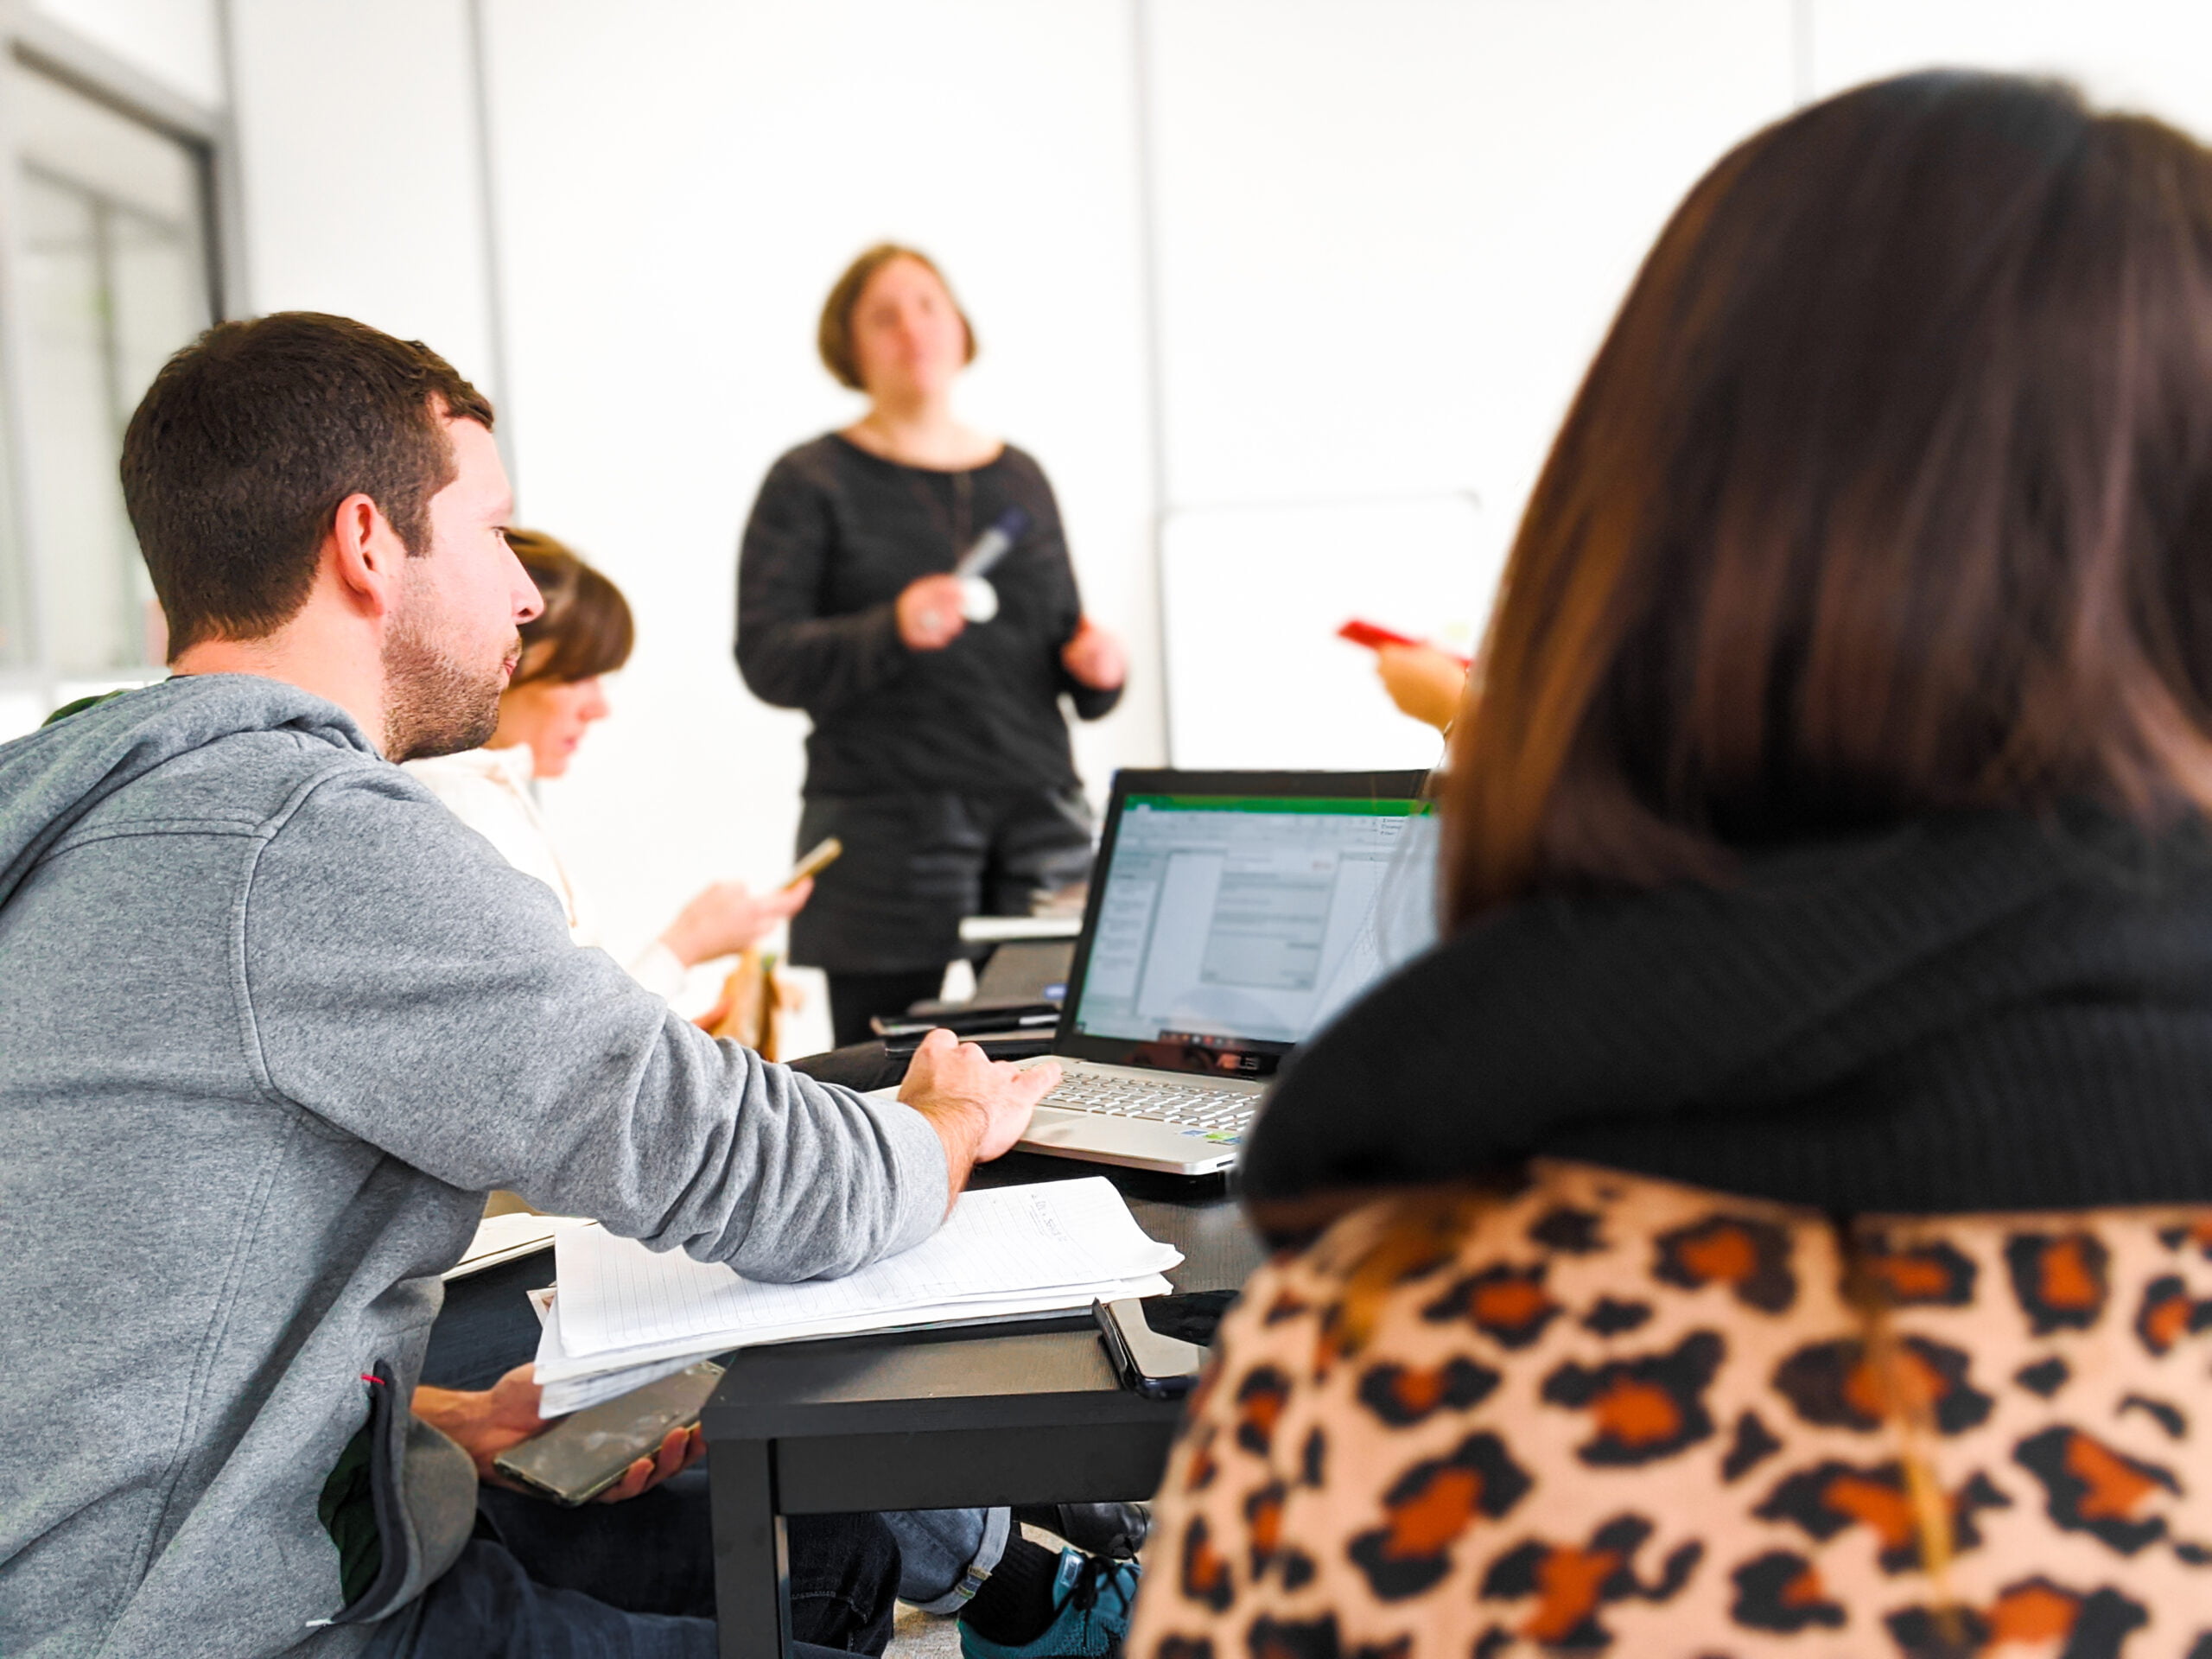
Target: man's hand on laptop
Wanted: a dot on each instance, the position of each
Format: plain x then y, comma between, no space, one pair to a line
978,1106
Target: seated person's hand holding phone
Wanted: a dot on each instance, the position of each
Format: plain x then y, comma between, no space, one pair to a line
495,1424
743,919
727,918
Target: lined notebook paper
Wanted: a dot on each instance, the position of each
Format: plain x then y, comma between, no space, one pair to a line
1023,1245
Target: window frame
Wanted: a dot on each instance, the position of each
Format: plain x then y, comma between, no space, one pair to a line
30,43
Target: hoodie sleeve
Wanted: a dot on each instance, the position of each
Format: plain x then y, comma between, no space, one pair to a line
403,984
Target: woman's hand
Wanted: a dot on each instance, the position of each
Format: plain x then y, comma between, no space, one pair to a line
1095,658
502,1417
1426,682
726,917
929,613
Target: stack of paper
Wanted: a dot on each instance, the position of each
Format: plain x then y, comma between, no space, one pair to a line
507,1239
624,1314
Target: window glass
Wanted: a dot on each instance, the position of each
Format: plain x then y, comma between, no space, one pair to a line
16,643
114,278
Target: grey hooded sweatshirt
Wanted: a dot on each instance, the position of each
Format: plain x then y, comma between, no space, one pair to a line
272,1023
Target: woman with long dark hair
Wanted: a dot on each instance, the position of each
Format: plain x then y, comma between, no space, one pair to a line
1776,1218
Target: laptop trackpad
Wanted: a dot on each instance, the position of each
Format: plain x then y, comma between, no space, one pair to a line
1145,1141
1053,1125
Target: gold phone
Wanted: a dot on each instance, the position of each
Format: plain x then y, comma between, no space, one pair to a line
821,858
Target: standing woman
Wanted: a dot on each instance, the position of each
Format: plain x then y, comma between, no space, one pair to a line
939,755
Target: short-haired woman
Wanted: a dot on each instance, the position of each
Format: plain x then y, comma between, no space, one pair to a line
1819,1066
939,755
584,633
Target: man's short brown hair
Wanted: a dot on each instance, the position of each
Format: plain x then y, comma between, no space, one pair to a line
834,337
247,441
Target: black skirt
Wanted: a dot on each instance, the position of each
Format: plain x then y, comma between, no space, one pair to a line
914,864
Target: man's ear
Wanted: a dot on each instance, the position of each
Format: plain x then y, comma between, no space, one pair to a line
363,554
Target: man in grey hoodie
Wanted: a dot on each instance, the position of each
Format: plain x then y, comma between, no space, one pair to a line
274,1022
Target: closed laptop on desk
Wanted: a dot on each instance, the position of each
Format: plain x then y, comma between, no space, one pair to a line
1230,914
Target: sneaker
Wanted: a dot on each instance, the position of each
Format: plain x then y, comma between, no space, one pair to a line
1115,1529
1092,1597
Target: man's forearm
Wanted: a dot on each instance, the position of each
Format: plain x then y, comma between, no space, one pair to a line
960,1127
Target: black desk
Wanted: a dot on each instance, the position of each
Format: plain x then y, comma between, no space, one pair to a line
934,1420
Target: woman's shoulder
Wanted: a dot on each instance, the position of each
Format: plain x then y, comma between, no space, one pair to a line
833,462
466,768
1016,463
815,463
475,783
1020,477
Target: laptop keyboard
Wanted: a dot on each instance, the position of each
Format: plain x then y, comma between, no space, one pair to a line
1168,1102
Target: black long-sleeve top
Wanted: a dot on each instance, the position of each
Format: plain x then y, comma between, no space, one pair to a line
1985,1011
835,535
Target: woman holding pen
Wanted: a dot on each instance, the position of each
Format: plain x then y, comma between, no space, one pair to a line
939,755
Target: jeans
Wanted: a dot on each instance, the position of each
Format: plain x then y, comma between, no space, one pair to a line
944,1555
486,1327
634,1581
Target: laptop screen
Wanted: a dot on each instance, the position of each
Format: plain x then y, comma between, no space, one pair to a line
1230,926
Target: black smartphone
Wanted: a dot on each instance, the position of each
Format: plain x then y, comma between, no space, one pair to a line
1041,1017
1011,1046
1157,1367
582,1455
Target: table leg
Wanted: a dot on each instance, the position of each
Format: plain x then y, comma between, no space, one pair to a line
753,1587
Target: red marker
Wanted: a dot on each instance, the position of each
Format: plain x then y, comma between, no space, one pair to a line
1373,636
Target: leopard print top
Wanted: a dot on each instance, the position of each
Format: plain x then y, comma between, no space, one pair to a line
1610,1415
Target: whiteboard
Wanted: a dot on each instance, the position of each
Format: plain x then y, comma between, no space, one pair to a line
1252,598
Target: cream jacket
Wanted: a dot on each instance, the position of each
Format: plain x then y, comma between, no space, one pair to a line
490,791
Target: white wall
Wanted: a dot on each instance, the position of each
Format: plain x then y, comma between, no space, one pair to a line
2154,55
678,186
1384,236
361,171
1372,307
1389,237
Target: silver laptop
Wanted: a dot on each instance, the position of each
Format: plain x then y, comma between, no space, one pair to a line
1230,914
